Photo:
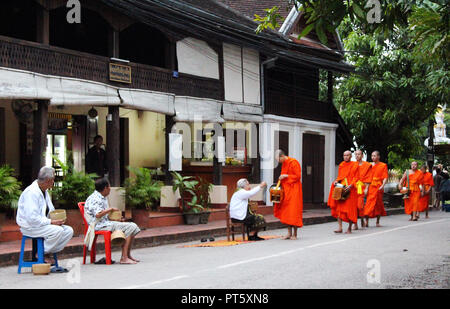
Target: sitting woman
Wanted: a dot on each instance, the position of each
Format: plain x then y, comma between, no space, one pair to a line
241,213
96,207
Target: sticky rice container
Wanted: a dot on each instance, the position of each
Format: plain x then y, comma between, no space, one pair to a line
115,215
41,269
58,214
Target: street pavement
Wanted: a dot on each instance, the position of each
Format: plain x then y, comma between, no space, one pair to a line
400,254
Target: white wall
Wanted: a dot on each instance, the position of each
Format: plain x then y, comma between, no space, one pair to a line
296,129
197,58
241,74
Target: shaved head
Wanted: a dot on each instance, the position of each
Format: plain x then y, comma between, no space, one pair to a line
347,155
376,156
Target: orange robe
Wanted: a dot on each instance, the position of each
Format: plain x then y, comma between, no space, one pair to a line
374,204
428,182
290,210
363,176
412,203
346,210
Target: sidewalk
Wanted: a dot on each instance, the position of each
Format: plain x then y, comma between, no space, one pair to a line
9,251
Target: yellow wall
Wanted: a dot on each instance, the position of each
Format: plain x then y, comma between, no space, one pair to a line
146,133
12,136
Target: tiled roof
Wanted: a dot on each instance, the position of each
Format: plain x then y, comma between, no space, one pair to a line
251,7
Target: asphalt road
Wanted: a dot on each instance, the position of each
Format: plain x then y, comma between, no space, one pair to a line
400,254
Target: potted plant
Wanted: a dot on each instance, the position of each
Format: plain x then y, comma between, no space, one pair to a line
74,187
9,192
142,193
202,190
185,186
193,211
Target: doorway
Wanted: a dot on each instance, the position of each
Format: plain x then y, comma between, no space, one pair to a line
313,170
281,139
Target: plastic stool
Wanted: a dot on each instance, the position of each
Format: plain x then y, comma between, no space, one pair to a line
40,253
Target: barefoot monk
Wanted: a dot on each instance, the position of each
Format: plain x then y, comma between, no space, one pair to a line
290,210
362,184
374,207
345,210
415,190
428,184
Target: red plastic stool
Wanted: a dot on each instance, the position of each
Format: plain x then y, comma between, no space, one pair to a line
106,236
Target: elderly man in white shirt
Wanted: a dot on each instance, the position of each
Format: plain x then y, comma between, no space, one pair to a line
35,205
239,210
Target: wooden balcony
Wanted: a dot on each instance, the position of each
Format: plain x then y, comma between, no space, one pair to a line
278,103
51,60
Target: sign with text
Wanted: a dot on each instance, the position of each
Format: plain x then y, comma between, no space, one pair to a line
120,73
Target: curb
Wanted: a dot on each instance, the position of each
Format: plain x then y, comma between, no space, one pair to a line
10,259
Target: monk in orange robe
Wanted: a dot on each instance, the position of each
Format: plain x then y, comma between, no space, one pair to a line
290,210
415,190
374,206
362,184
428,183
345,210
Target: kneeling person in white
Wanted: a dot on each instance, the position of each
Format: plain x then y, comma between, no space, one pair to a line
241,213
32,214
97,208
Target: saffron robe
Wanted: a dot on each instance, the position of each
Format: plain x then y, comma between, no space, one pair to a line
363,176
346,210
290,210
412,203
374,204
428,182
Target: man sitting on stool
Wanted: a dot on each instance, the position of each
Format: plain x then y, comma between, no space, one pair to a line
35,205
239,210
96,206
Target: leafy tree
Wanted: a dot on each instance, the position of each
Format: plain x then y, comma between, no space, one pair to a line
391,96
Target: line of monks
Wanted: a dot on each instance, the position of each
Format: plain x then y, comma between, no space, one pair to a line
364,183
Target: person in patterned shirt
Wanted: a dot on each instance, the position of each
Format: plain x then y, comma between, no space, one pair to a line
97,208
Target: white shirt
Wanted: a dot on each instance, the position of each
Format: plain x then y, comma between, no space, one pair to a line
32,207
239,202
95,204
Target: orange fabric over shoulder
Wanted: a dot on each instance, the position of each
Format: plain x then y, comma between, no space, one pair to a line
374,204
412,203
346,210
290,210
428,182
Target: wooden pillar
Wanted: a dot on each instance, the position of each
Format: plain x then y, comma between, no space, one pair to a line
113,145
256,162
43,26
113,41
40,128
217,166
169,124
330,87
2,137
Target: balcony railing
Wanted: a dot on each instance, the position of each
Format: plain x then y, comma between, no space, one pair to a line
278,103
51,60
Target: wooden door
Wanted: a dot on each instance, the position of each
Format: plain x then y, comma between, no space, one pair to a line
313,168
282,138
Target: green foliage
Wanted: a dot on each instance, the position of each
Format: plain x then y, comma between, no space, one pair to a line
391,96
268,21
325,15
193,206
202,190
75,186
9,188
142,191
184,184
